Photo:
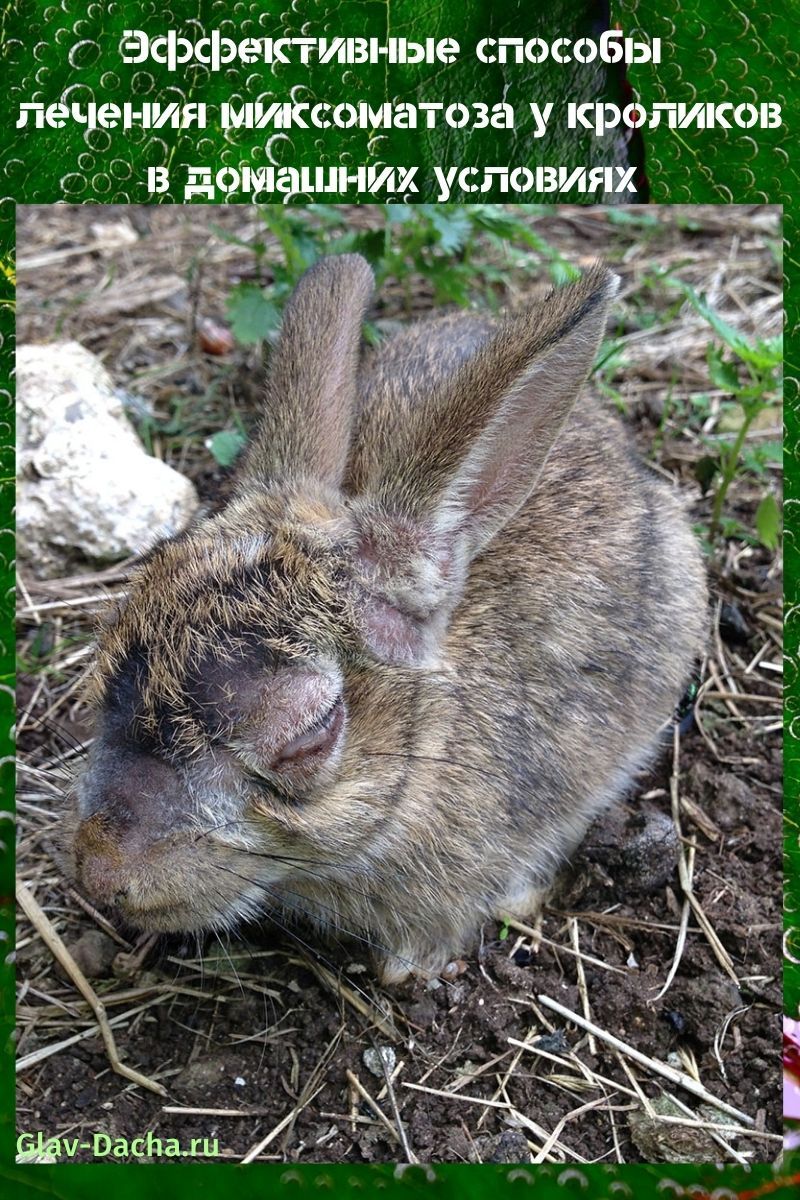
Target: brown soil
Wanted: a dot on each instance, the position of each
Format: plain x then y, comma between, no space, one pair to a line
270,1030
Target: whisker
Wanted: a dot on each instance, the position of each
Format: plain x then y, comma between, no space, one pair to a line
313,951
287,858
201,960
41,779
350,933
56,729
303,864
306,865
225,951
294,860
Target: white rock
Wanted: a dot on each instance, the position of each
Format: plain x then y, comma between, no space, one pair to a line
375,1058
85,486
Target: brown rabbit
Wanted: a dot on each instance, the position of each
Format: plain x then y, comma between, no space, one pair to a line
439,624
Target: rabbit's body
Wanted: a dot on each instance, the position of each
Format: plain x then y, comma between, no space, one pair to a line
388,687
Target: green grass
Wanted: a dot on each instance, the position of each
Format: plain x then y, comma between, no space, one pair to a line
750,371
445,244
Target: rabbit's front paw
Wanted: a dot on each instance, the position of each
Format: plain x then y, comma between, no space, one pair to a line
424,963
521,903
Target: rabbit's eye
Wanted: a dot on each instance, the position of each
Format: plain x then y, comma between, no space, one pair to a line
315,741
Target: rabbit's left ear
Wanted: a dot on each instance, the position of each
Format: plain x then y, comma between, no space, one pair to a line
524,399
467,461
311,381
471,455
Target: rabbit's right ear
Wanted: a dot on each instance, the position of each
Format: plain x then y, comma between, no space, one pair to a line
466,461
311,383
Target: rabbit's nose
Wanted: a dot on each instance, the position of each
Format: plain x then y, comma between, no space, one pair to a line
101,868
131,790
106,856
129,802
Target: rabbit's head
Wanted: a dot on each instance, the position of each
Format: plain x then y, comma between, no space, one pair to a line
258,691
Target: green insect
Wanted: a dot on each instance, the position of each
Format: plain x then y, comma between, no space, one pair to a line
687,701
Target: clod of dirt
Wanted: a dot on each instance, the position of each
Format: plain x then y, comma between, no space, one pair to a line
203,1075
662,1142
510,1146
638,848
422,1013
508,971
94,952
553,1043
732,626
729,800
707,1001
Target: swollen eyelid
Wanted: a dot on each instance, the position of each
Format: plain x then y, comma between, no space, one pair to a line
315,739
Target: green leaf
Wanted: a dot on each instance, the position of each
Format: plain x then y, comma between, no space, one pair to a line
562,272
453,228
623,216
704,471
252,314
761,354
768,521
371,243
732,529
226,445
724,374
499,221
758,457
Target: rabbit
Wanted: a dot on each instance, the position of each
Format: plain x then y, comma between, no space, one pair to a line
442,618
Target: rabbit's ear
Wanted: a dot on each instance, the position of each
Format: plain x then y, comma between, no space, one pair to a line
311,383
473,454
467,460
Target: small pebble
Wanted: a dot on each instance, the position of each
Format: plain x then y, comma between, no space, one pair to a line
732,625
675,1019
379,1060
94,952
214,338
554,1043
454,969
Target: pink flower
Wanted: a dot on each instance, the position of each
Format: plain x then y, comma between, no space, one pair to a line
791,1069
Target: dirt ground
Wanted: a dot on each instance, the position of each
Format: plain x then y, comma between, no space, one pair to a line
666,930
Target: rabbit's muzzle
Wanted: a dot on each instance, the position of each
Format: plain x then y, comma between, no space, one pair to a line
140,849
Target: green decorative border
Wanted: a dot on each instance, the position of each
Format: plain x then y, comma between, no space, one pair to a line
713,50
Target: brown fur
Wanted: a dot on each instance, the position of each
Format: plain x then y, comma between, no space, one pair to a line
508,603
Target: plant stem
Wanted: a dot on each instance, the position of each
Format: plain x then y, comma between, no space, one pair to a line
729,469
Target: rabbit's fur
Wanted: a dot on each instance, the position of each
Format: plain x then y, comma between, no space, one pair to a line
441,621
